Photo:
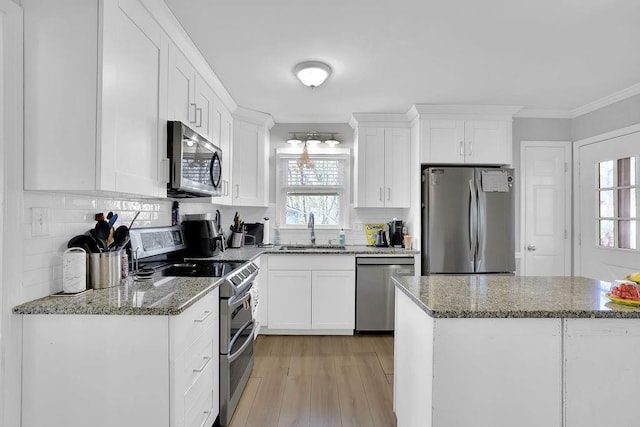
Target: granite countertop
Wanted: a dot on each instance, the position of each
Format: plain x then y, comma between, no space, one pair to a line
247,253
159,296
500,296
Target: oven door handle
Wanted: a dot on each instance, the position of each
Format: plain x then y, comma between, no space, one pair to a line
233,303
237,354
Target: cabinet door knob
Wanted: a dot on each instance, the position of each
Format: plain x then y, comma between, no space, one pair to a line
531,248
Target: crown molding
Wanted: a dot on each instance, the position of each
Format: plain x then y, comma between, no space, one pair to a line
378,119
256,117
539,113
607,100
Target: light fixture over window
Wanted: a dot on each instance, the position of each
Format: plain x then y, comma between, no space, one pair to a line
294,140
312,73
332,141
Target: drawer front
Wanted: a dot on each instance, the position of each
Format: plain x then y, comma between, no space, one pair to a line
190,324
312,262
199,400
197,358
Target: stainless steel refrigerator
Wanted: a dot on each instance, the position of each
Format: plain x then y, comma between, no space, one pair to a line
468,223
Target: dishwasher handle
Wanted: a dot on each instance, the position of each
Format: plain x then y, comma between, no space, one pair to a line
385,261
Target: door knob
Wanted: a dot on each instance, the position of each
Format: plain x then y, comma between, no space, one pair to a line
531,248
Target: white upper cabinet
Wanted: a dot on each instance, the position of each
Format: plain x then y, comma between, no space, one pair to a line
95,120
190,97
452,134
222,126
382,174
250,158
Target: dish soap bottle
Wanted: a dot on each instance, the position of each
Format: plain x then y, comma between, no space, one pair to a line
342,237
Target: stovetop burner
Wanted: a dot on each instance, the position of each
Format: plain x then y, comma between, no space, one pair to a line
191,268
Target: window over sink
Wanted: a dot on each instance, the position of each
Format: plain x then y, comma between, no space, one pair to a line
320,185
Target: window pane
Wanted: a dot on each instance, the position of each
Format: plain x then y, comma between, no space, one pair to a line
627,234
606,174
626,171
627,203
606,234
325,208
606,204
324,172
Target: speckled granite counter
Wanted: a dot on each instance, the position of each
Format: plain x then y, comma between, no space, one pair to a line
161,296
476,296
247,253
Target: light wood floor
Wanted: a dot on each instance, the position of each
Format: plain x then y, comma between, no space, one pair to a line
316,381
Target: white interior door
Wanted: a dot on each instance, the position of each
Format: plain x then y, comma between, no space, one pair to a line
546,185
606,208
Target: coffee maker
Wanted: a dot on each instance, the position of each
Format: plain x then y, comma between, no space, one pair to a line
395,233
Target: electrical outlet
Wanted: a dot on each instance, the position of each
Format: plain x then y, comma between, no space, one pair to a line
39,221
357,226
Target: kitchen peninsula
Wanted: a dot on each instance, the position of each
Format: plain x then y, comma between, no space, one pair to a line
487,350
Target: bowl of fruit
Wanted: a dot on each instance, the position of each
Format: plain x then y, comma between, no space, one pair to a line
625,291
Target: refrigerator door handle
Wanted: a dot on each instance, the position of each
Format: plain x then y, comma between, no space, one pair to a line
473,226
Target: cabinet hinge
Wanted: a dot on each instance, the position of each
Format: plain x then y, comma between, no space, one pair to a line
566,167
580,239
566,234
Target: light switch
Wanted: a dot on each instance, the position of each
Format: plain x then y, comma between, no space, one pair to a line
40,221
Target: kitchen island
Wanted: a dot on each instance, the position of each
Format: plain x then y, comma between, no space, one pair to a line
491,350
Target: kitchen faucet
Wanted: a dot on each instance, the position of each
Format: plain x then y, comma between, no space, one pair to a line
312,226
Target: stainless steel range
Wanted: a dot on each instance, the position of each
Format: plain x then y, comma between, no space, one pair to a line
161,250
236,337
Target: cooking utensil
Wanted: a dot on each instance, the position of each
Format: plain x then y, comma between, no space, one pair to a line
112,219
134,219
85,242
120,238
101,244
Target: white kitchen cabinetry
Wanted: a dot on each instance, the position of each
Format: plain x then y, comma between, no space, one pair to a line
109,78
250,158
382,173
112,370
438,383
312,293
463,134
471,141
191,100
223,128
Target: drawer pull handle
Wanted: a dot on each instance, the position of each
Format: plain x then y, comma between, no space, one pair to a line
202,319
206,417
207,359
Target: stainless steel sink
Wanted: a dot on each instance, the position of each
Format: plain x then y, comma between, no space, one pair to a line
312,247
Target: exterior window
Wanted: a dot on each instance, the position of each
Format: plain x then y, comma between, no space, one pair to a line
320,186
617,197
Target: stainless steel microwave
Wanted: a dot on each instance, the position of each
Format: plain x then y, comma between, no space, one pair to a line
196,168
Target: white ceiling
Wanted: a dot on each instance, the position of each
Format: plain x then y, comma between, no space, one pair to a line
387,55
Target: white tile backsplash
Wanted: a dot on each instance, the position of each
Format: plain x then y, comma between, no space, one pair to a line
71,215
74,214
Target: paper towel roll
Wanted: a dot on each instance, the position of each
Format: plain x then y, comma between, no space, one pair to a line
74,271
266,233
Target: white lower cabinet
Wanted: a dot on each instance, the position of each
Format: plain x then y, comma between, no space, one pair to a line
122,370
290,299
311,293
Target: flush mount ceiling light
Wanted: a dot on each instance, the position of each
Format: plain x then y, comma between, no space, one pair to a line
312,73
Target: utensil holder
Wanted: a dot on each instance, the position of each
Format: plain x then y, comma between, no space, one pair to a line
105,269
236,240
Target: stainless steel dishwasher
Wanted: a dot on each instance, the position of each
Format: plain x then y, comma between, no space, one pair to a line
375,293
